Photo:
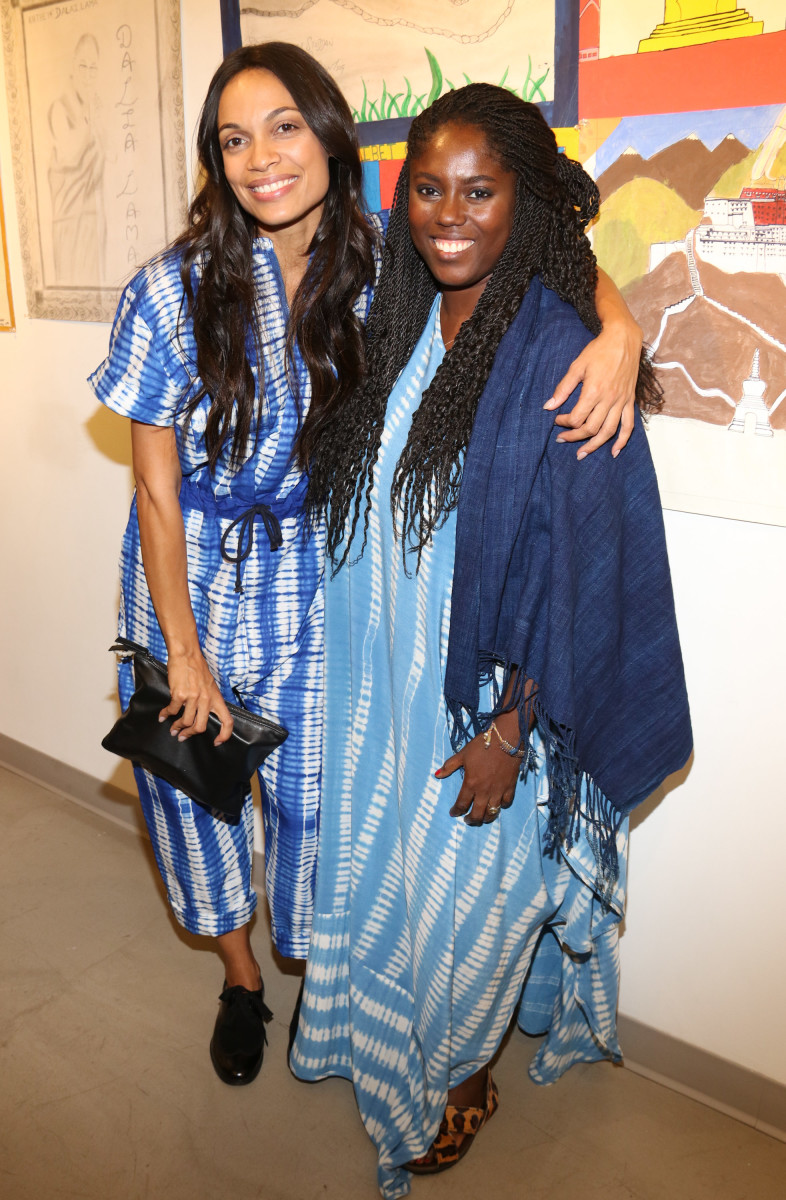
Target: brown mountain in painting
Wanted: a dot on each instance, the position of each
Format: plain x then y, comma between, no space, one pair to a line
760,296
687,167
629,165
714,347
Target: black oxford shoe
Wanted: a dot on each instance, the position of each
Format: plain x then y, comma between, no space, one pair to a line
239,1037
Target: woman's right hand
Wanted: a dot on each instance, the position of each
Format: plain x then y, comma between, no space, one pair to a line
194,690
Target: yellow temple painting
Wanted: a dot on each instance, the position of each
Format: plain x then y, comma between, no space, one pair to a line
716,54
650,25
692,22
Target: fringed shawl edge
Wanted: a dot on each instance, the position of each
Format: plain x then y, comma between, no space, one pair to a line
574,796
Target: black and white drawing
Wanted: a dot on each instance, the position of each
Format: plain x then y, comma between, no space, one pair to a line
95,100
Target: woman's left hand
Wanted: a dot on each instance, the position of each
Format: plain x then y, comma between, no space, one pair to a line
607,369
490,774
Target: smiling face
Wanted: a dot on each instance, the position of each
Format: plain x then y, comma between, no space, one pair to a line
273,162
461,206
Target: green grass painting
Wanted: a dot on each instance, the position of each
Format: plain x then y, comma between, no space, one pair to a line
406,103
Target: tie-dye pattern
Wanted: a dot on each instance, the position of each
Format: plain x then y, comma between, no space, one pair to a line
425,929
264,644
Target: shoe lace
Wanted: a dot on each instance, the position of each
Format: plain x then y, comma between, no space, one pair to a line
253,1002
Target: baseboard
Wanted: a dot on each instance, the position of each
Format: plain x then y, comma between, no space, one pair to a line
737,1091
119,805
743,1094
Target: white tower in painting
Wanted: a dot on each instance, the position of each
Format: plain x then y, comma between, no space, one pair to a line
752,403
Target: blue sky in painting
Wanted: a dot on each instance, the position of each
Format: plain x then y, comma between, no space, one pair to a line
650,134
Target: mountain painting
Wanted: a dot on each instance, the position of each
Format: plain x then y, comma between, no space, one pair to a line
693,230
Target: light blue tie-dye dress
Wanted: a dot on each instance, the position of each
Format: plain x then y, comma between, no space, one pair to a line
425,929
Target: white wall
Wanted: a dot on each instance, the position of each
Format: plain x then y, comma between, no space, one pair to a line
64,495
703,950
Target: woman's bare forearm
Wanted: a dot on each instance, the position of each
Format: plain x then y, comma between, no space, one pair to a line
607,370
162,534
194,692
612,309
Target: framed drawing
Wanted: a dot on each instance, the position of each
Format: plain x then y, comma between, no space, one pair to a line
6,303
96,114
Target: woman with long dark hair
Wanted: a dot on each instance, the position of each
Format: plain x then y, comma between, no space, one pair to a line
501,647
227,353
231,353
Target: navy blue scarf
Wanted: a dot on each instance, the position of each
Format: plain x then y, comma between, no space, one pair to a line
561,573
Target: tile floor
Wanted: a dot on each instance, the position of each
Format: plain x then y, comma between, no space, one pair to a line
107,1093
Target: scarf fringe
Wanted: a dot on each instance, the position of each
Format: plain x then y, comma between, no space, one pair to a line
574,797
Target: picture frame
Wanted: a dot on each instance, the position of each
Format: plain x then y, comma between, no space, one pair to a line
95,104
7,323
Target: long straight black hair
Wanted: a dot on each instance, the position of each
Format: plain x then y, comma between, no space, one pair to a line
219,239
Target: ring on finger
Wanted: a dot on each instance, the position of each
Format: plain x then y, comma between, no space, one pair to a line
492,811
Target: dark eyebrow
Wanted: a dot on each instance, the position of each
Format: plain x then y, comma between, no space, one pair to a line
468,179
271,116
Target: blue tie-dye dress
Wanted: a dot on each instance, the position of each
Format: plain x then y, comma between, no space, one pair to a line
425,929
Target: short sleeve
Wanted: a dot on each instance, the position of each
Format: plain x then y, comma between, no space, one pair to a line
133,379
379,221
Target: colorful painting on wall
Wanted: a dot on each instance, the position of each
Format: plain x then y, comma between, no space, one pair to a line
96,117
683,124
392,60
693,229
6,302
659,56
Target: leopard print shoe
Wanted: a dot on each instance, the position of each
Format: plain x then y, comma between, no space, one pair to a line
457,1132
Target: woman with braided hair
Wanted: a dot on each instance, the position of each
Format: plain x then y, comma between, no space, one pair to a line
501,647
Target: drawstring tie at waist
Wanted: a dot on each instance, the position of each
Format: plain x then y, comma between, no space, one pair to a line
243,516
245,537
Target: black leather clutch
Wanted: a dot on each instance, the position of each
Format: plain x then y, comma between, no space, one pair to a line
216,777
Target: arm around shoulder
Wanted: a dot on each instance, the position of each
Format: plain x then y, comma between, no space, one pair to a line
607,369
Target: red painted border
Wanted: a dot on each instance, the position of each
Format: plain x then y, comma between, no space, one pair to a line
736,73
389,171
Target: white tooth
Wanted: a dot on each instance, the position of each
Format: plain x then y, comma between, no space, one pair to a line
453,245
262,189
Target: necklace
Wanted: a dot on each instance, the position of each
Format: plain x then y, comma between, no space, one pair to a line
447,342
